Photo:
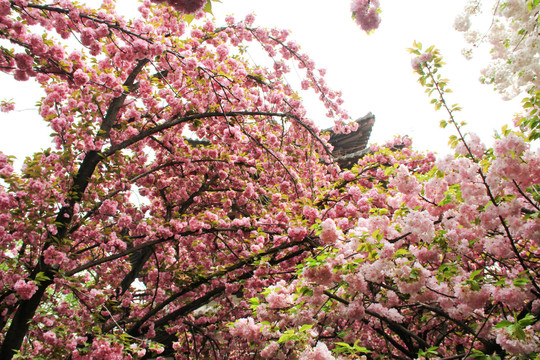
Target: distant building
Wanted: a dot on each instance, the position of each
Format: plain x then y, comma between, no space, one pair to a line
348,148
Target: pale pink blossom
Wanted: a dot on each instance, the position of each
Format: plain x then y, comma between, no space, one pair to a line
515,346
222,51
329,233
389,313
270,350
7,106
509,144
49,337
277,300
405,182
54,257
246,328
355,310
416,64
319,352
366,14
108,207
435,189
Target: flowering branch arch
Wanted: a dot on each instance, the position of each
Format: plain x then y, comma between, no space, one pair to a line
190,209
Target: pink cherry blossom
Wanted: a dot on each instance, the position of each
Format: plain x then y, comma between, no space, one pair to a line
366,14
25,290
319,352
329,233
189,204
7,106
187,6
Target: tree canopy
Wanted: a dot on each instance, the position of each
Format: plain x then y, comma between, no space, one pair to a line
189,209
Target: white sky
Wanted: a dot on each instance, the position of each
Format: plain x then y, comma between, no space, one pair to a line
373,72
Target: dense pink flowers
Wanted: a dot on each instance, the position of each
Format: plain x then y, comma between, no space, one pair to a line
246,329
366,14
186,6
528,344
50,337
319,352
222,51
269,351
176,213
80,77
355,310
329,232
7,106
509,145
405,182
418,62
24,289
54,257
5,7
108,207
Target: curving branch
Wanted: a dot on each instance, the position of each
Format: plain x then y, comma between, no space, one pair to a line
25,312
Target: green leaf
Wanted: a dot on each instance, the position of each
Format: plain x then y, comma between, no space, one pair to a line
503,324
361,349
532,4
286,338
475,286
254,301
521,281
527,320
475,273
208,7
189,18
517,332
40,276
432,351
343,348
305,327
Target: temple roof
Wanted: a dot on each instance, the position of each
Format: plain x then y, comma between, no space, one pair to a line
348,148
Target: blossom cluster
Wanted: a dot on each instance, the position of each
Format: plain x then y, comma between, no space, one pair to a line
7,106
175,186
366,14
188,208
186,6
513,40
438,241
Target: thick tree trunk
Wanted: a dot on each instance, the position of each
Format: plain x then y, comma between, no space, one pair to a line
27,308
20,323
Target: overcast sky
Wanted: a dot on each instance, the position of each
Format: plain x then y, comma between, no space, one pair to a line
373,72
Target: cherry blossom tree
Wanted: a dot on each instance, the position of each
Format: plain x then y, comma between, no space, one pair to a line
442,261
174,189
189,209
513,39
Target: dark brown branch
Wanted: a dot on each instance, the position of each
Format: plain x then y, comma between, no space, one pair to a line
461,324
525,196
89,17
401,331
118,102
203,280
179,120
